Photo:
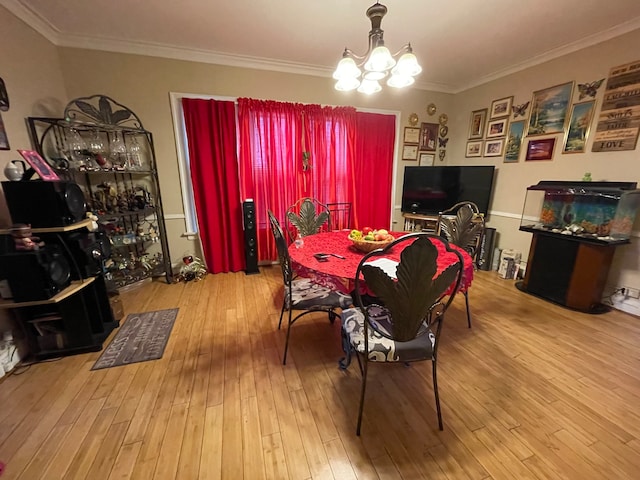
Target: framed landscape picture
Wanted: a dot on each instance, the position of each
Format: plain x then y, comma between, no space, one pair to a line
514,142
474,149
540,149
493,148
501,107
497,128
575,139
476,124
549,109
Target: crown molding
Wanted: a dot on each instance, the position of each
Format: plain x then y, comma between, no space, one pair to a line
32,19
589,41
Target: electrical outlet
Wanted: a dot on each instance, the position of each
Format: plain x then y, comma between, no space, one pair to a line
632,292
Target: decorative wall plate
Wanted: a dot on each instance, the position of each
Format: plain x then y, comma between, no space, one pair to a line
413,119
444,130
431,108
443,119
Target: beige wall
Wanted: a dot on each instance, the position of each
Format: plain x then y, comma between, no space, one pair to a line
512,179
31,71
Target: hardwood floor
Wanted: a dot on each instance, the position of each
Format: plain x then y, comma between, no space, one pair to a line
531,391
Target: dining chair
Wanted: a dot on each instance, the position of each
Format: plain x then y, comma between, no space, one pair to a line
339,216
463,225
306,217
302,293
405,325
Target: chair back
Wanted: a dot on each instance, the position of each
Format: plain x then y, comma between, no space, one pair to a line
306,217
283,250
339,216
463,225
415,295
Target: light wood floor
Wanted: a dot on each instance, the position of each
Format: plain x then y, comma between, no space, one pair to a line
531,391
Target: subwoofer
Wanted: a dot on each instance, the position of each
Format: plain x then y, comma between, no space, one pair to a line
250,237
44,204
84,251
35,275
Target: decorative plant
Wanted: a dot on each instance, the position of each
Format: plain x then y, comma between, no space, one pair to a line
306,161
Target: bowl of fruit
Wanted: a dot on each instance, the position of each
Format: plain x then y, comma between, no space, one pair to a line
367,239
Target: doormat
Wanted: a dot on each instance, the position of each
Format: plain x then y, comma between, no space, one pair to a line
142,337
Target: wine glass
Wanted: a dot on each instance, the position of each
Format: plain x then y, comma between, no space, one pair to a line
117,151
135,154
77,149
98,149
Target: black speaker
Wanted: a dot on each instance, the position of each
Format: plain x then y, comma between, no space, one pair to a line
44,204
84,251
484,258
36,274
250,237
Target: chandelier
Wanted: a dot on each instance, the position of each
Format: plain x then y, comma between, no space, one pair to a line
378,62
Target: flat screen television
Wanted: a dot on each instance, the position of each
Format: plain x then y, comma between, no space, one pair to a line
430,190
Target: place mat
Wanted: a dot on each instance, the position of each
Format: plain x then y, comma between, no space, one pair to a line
142,337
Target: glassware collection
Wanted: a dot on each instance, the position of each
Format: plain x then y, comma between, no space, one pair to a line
97,150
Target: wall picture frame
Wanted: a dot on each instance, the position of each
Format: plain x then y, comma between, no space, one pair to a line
493,148
426,159
4,139
541,149
549,109
514,142
428,137
39,164
474,149
411,135
410,152
501,107
575,139
476,123
497,128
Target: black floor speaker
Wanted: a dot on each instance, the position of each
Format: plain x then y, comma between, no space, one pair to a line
44,204
484,258
35,275
85,251
250,237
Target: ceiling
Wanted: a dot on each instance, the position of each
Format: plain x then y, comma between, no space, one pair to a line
459,43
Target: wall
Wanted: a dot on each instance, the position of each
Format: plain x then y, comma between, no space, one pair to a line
31,71
143,84
512,179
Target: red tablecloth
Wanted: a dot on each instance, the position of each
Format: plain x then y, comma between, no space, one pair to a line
339,274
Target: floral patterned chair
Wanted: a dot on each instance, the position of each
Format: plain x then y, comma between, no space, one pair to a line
301,293
406,325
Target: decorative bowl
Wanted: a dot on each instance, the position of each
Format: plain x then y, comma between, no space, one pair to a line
367,246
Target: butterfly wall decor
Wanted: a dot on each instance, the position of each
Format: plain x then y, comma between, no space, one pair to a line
442,142
519,110
589,89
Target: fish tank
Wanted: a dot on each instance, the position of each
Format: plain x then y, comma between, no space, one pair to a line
598,212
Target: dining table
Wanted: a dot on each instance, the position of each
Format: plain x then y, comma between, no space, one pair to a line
338,271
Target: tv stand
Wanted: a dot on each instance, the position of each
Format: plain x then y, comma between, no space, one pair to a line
417,222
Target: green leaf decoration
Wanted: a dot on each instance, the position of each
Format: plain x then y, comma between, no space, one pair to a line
308,222
105,110
89,110
410,298
461,230
119,116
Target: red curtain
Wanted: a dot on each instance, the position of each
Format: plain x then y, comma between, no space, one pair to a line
373,170
211,135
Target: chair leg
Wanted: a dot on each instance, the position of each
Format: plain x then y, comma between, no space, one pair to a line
364,386
466,299
286,342
345,361
281,314
435,391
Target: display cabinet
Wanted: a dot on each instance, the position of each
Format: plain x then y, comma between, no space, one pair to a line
102,146
576,227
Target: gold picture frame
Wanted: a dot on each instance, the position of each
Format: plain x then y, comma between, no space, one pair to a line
476,123
410,152
411,135
501,107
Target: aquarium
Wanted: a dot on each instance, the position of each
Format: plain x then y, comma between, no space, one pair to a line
601,212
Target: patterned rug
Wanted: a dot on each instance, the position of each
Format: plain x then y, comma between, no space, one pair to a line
142,337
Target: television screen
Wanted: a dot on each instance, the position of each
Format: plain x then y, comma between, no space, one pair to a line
430,190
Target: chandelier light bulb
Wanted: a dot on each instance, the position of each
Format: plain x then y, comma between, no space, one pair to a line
374,75
346,68
407,66
347,84
400,81
380,60
369,86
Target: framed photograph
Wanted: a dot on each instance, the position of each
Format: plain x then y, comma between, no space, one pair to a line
514,142
42,168
476,124
411,135
4,140
426,159
501,107
575,140
549,109
493,148
410,152
428,137
497,128
474,149
540,149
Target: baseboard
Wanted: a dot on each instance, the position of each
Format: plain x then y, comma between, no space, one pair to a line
628,305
